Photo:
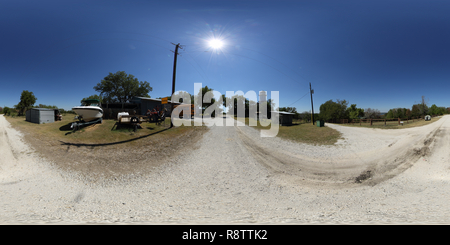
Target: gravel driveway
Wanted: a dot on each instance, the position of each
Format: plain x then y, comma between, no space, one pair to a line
232,175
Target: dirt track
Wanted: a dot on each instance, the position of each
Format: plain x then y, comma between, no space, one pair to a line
232,175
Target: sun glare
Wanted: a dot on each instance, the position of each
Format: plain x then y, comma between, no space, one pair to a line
215,43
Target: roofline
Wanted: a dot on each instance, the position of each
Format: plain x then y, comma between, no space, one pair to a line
146,98
283,112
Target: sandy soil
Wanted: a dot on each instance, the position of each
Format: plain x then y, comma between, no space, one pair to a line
231,175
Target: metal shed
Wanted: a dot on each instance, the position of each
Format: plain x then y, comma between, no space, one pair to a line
40,115
285,118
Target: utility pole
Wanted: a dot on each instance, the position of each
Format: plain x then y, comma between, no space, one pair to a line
173,79
312,107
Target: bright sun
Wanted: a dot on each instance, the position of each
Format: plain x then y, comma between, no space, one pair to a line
215,44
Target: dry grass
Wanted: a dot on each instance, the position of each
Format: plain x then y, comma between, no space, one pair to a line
302,132
97,134
98,151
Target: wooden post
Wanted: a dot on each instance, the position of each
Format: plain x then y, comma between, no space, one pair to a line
173,80
371,122
399,121
312,107
384,122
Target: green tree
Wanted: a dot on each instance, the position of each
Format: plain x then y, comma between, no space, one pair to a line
354,113
442,111
209,103
93,97
201,95
6,110
423,106
434,110
46,106
390,114
236,102
27,100
408,113
288,109
269,105
331,110
372,113
291,110
398,113
121,88
415,111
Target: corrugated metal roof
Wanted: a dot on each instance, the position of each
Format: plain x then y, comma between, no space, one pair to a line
43,109
146,98
283,112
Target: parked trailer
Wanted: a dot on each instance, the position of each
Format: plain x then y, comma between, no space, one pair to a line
123,118
133,120
76,125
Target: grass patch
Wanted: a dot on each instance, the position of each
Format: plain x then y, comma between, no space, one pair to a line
97,153
301,132
104,133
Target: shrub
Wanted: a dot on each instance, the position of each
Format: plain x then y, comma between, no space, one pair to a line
6,111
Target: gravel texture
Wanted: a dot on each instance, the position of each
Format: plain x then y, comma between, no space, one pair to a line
231,175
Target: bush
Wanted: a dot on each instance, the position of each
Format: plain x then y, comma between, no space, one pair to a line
6,111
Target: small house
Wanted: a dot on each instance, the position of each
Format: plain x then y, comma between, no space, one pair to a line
40,115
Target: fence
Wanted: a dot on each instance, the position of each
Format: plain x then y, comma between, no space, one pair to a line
377,122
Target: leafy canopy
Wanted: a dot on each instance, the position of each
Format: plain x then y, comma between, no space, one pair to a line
334,110
27,100
354,113
93,97
121,88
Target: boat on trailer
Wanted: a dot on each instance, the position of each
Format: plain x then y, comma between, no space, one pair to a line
89,110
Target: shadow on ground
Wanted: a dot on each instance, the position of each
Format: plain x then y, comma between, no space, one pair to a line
112,143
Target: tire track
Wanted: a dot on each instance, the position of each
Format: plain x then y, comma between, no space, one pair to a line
388,163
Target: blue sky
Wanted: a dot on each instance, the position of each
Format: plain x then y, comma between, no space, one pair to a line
377,54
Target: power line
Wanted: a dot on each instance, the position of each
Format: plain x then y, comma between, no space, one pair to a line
266,65
276,61
49,54
298,99
195,67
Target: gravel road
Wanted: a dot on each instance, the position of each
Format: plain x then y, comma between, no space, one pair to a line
232,175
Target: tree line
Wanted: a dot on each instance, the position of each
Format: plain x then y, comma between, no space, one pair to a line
120,87
233,103
27,101
337,110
